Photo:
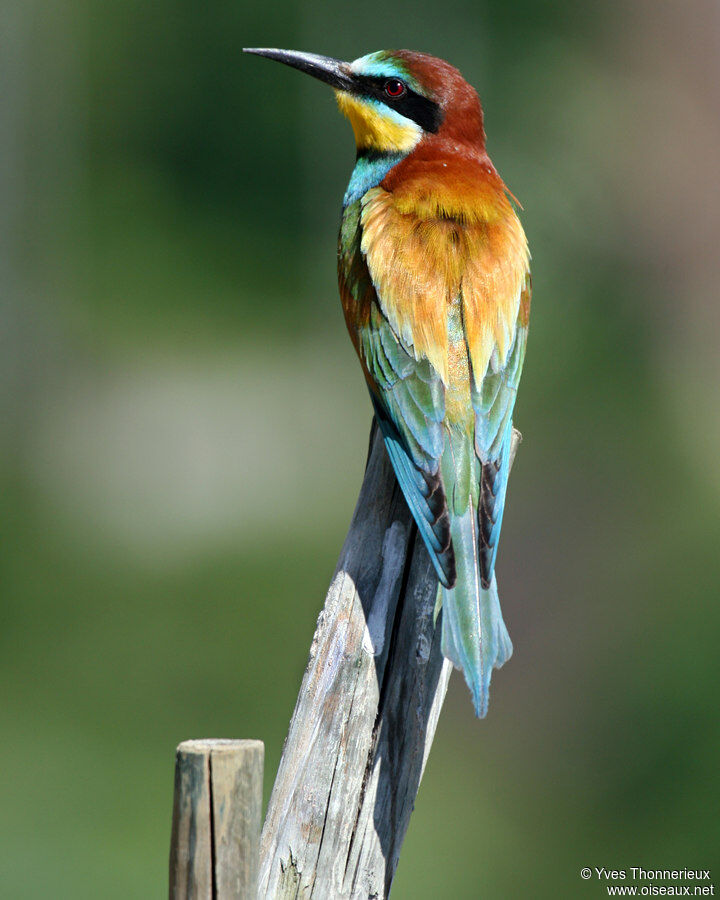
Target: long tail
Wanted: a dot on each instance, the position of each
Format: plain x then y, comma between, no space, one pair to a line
474,636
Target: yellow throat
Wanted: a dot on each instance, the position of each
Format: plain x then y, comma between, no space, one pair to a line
375,130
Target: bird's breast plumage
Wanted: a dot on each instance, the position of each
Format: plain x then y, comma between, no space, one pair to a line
438,246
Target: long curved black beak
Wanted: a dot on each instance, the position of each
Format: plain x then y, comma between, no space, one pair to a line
332,71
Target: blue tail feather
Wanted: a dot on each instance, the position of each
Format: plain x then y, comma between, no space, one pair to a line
474,636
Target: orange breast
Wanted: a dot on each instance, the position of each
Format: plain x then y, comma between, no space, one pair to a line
443,245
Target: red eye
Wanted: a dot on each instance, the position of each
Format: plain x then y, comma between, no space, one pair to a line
394,88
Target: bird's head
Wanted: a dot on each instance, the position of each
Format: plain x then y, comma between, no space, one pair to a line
395,99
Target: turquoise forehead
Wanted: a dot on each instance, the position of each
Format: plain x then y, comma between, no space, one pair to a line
382,64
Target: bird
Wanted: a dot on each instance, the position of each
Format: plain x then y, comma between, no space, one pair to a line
434,278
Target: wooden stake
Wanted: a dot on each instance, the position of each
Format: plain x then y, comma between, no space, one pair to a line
216,820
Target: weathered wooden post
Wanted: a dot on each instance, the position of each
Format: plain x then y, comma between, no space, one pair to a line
366,714
216,820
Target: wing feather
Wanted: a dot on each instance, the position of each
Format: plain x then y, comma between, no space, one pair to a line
493,400
409,407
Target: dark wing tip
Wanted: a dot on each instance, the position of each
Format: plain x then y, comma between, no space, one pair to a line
437,504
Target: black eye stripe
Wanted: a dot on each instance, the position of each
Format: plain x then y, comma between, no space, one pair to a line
425,112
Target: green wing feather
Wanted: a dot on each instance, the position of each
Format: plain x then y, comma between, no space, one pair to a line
493,400
409,403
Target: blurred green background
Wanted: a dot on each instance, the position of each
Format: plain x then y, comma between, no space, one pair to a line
183,429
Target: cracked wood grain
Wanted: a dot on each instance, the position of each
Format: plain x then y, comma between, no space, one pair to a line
217,813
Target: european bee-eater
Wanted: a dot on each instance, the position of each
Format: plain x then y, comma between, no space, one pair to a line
434,276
